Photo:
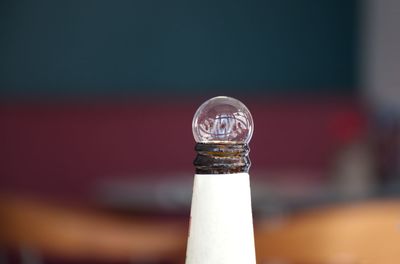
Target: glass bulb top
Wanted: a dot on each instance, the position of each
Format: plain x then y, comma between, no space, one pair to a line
222,119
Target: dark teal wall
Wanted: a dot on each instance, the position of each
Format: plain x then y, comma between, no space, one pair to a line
101,46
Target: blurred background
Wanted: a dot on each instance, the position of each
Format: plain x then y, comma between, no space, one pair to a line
96,103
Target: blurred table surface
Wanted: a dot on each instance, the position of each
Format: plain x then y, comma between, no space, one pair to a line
362,232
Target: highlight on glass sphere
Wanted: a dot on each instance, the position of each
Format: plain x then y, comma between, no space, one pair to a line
222,119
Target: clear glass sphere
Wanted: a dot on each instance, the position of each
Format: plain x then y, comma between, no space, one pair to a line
222,119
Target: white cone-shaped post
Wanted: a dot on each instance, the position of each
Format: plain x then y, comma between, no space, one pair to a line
221,224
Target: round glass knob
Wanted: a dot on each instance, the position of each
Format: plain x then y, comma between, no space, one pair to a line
222,119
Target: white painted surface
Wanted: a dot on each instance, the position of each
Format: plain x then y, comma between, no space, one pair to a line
221,227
